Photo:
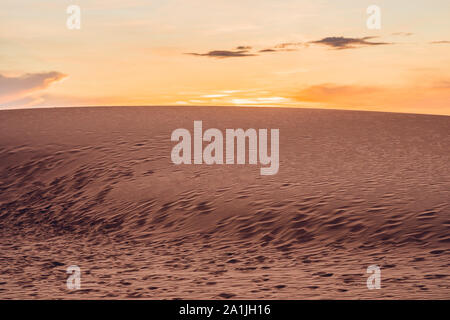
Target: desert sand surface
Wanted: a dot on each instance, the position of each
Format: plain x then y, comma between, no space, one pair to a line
96,188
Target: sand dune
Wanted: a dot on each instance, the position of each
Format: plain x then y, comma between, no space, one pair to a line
95,187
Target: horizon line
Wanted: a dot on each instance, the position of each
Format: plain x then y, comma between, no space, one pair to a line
5,108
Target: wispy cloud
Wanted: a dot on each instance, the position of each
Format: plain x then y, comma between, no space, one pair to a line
259,100
214,95
246,51
329,92
440,42
442,84
410,97
224,54
289,45
285,46
402,34
340,43
243,48
21,87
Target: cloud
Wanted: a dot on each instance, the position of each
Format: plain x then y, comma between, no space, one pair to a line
442,84
340,43
336,94
21,88
224,54
43,99
334,42
432,95
287,45
440,42
214,95
243,48
25,102
245,51
403,34
259,101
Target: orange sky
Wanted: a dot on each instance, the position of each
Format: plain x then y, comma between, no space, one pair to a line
290,53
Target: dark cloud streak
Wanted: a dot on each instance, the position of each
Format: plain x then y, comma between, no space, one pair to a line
340,43
224,54
337,43
243,48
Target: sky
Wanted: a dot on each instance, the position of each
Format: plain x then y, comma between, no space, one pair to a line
287,53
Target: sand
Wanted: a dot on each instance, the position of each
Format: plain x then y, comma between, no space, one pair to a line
96,188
